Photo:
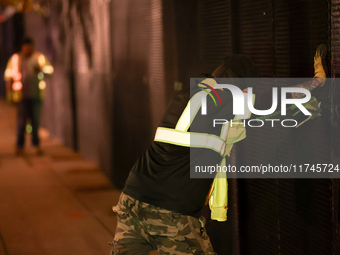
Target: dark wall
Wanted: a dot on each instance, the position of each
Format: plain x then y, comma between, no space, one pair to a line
276,215
279,216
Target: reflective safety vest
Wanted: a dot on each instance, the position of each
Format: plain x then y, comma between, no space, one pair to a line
13,74
218,197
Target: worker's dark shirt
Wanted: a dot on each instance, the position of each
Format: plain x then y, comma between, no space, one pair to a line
29,80
161,176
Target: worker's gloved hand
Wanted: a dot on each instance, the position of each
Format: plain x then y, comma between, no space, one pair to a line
319,72
320,55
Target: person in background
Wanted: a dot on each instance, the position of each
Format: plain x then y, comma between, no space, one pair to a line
25,86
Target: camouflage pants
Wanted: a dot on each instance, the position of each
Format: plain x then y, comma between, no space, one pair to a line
143,228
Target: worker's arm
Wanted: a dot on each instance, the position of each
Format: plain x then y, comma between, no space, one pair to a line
45,65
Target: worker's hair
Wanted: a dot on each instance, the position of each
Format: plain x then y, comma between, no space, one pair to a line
27,40
240,65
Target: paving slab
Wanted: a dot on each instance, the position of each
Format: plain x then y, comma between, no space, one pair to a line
58,203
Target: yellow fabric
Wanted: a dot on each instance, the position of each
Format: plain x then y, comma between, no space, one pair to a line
218,198
211,82
188,115
218,201
319,71
236,133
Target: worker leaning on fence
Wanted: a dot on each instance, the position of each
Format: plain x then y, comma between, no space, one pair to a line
25,85
160,204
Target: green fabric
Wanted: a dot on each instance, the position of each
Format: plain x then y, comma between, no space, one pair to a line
218,197
218,201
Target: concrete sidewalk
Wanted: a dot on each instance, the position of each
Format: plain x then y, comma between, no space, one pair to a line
57,203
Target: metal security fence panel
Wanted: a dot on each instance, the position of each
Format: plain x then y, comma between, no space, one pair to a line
139,80
305,216
93,87
215,33
335,117
256,33
76,36
281,37
156,72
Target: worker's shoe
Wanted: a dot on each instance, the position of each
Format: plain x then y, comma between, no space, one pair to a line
320,55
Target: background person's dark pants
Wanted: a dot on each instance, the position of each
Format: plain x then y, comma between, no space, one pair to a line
28,109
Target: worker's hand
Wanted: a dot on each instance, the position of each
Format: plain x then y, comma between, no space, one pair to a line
319,72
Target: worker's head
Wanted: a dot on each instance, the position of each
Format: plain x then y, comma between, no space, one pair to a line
27,47
237,66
